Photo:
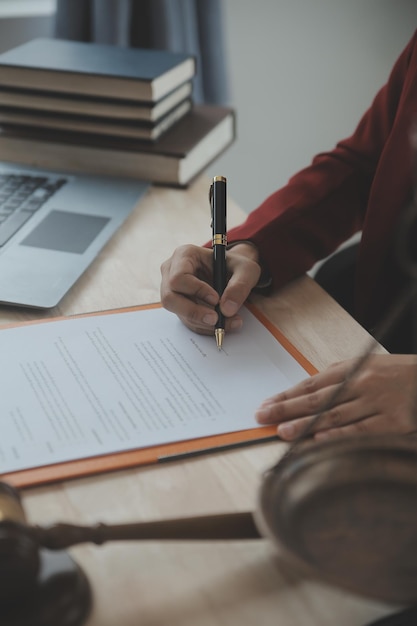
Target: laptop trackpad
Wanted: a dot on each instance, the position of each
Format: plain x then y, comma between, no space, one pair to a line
65,232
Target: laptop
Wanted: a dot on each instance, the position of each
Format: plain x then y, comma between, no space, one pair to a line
52,226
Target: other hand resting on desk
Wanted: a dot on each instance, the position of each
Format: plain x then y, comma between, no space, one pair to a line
378,400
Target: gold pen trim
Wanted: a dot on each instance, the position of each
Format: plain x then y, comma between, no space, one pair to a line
219,179
219,240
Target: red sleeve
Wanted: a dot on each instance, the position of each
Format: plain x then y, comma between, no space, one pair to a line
324,204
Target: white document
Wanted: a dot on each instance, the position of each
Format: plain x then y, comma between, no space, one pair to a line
95,385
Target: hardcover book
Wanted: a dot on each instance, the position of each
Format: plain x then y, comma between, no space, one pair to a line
76,104
175,159
95,69
101,126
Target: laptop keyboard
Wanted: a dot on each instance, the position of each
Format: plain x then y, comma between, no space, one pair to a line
20,197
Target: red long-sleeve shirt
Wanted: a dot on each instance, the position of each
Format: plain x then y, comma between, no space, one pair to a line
363,184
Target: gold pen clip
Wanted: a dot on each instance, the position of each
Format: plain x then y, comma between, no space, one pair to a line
210,195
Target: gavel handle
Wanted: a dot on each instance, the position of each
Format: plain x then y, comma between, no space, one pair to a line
211,527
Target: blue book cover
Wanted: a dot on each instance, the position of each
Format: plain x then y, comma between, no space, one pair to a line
95,69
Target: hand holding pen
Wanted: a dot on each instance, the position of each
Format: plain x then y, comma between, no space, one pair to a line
217,196
187,286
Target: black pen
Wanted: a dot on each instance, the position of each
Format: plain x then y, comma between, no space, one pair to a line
218,221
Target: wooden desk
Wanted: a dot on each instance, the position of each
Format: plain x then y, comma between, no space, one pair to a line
207,584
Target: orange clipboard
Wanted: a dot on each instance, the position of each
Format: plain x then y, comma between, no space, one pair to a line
78,468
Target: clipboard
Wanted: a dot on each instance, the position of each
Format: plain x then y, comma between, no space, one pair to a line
167,452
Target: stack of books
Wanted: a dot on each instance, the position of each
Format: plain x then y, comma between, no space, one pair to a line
107,110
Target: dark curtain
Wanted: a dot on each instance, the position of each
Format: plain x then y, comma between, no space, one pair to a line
193,26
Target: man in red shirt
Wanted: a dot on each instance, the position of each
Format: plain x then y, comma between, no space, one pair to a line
364,184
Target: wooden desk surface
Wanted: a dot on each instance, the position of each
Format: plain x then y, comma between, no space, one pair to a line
204,584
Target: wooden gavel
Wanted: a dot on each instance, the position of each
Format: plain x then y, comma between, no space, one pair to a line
343,511
20,543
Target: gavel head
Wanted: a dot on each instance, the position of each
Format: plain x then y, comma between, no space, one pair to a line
19,550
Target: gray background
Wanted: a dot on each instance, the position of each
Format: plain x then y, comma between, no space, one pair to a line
302,74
